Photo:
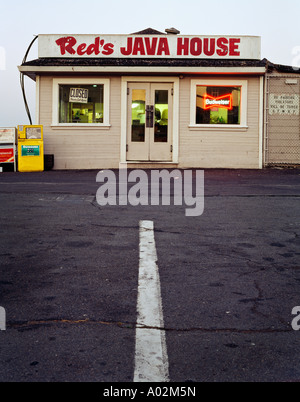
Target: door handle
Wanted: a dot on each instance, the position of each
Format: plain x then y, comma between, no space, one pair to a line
149,116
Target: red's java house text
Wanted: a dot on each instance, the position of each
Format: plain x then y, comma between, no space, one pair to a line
154,46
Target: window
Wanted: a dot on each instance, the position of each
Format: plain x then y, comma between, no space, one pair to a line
78,102
216,103
81,104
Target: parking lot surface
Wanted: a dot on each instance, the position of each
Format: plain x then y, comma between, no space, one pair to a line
229,279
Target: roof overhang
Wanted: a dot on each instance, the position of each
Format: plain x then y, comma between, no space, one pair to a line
33,71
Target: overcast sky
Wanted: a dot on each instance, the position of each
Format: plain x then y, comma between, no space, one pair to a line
276,21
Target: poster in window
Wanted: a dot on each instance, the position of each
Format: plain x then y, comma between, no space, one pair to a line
78,95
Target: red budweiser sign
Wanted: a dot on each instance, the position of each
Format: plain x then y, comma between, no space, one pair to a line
223,102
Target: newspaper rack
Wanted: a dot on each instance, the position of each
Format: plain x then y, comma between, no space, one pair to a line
8,145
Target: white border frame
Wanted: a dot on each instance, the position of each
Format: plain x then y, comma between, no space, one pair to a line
124,96
217,82
79,81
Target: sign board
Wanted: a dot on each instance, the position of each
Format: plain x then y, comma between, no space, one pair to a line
8,145
79,95
284,104
7,155
30,150
150,46
8,135
222,102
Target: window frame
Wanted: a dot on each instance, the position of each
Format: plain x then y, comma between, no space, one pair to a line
219,83
80,81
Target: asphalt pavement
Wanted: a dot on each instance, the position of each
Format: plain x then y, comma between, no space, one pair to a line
229,279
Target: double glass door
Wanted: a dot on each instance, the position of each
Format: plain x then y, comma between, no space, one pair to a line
149,117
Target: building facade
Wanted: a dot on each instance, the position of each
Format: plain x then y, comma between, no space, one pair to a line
282,117
153,100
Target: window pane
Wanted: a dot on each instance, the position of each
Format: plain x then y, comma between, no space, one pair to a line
81,104
161,116
138,115
218,105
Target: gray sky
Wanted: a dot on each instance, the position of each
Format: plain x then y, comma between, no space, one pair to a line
277,22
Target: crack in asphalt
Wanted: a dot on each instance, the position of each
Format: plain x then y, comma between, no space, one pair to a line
26,325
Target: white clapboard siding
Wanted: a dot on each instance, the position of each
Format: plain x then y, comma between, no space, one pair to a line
99,148
213,148
82,148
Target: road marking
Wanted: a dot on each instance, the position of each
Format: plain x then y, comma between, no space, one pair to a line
151,359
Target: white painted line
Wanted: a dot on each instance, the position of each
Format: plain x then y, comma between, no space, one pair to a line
151,359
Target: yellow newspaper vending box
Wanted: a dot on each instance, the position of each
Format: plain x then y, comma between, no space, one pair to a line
30,149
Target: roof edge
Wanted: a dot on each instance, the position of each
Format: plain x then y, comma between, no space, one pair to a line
148,31
281,68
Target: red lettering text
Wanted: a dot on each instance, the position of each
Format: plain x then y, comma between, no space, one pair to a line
128,51
222,44
108,49
145,47
163,47
196,47
151,48
94,48
234,47
183,46
66,45
138,47
81,49
209,46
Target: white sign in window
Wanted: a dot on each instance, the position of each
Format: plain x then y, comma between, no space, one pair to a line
79,95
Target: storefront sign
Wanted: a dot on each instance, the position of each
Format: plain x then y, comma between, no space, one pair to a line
284,104
7,155
30,150
151,46
79,95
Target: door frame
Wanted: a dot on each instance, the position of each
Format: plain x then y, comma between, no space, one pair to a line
150,150
124,102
